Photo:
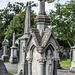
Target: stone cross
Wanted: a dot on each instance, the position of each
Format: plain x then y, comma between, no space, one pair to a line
5,43
42,5
5,57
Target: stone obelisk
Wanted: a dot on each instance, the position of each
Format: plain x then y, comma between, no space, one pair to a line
13,57
22,66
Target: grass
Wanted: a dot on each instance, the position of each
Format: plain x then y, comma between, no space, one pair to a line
9,63
10,73
66,64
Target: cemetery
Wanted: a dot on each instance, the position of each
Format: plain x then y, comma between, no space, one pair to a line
39,44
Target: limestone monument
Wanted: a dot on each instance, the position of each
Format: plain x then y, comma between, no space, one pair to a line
3,70
5,57
72,68
13,57
38,46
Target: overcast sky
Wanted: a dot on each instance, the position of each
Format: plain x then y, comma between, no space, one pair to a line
49,6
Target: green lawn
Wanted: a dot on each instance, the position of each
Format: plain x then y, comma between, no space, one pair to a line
9,63
10,73
66,64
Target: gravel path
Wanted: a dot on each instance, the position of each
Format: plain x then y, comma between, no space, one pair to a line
64,72
13,69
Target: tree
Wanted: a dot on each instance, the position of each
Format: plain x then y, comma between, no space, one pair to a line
11,10
63,22
17,25
7,14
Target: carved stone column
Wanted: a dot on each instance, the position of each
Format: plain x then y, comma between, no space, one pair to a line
29,59
41,61
29,67
41,66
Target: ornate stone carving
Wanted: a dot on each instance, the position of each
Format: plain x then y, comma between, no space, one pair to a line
40,49
25,49
41,60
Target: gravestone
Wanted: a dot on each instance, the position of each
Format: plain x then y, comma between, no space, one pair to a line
13,57
3,70
5,57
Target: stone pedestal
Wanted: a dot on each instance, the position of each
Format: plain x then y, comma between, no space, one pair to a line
72,68
29,68
13,57
5,57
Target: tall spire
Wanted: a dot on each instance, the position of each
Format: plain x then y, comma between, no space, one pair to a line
13,39
27,21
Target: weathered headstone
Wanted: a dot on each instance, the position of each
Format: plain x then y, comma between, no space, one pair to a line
3,70
5,57
13,57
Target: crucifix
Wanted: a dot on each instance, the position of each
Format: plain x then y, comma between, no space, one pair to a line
42,6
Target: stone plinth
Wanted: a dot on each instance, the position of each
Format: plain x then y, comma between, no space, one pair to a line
13,57
72,68
5,57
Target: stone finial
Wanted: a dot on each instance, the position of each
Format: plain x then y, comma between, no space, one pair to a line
27,20
13,39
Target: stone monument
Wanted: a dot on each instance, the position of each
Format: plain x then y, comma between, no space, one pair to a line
13,57
72,68
38,46
5,57
22,65
3,70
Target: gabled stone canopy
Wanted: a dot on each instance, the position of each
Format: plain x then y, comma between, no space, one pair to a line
41,41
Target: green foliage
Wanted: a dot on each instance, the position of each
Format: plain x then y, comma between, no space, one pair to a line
63,22
1,31
7,14
17,25
66,64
